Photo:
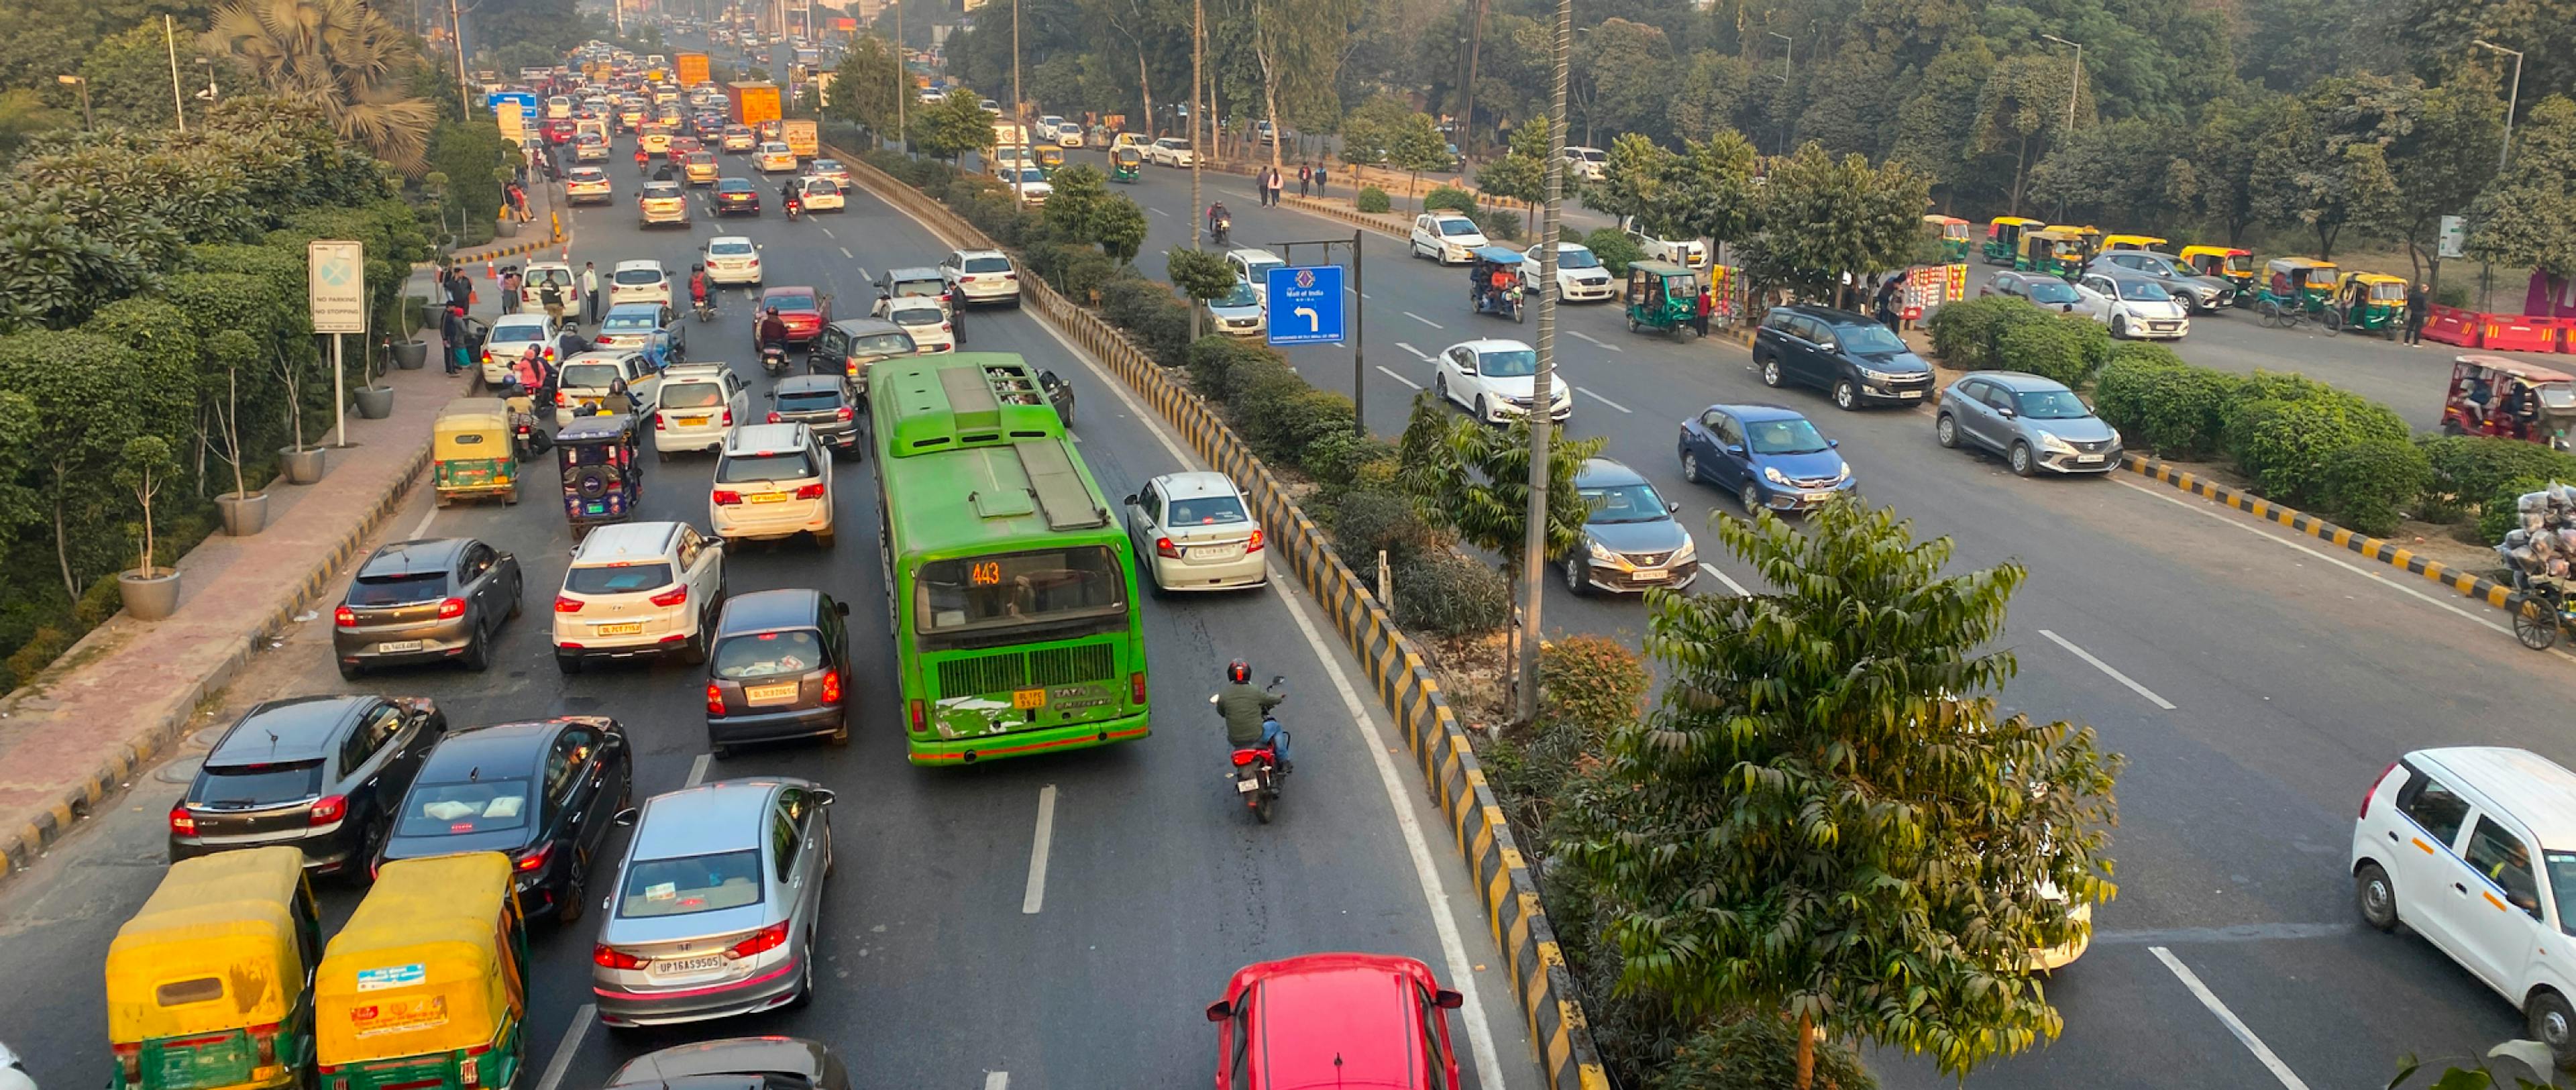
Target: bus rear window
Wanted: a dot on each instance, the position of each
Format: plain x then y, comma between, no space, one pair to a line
1017,588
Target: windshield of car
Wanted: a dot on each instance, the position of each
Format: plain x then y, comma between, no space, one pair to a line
882,344
1173,142
1507,363
1031,174
768,654
1624,503
1868,338
1454,227
630,320
1258,272
1014,589
792,302
1206,511
2052,291
690,884
729,249
809,401
259,784
2051,405
1783,437
691,395
786,465
456,809
398,589
987,264
2144,291
916,316
1240,296
1577,258
619,579
591,376
639,276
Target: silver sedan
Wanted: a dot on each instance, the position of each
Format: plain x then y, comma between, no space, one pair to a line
716,903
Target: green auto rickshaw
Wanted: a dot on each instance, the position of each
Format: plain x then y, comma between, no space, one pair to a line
1662,296
1124,163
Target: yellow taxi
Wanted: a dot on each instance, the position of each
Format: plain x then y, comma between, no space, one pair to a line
701,168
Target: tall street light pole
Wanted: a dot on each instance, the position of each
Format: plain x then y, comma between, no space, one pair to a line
178,98
2075,84
89,121
902,81
1788,57
1198,43
456,37
1543,392
2504,155
1019,117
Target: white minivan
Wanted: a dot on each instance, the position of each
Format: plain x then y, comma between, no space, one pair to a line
2474,847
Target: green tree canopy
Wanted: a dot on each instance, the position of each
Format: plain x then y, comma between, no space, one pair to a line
1827,216
2526,218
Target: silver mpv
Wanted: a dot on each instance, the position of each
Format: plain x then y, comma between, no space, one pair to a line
716,903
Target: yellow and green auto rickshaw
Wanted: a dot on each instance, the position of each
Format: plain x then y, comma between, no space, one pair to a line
2370,302
2131,242
2227,263
471,451
1049,158
2058,251
1662,296
2003,238
210,985
2293,288
426,988
1953,233
1124,163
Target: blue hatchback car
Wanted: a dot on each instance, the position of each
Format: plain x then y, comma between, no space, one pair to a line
1767,455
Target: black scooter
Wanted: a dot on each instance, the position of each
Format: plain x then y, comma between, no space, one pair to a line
773,359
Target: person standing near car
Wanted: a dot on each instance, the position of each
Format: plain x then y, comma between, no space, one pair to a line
451,337
510,290
591,310
551,295
2419,306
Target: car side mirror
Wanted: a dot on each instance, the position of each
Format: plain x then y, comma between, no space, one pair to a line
1671,508
1833,443
822,796
2005,413
1219,1011
1129,501
1448,1000
627,816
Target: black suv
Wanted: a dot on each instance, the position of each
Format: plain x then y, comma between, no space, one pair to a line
317,773
780,670
1855,358
824,404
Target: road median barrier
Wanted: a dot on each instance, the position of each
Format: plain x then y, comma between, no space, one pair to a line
1395,666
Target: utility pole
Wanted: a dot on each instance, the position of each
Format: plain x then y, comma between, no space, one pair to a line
902,81
2075,83
178,98
1467,91
1198,44
456,34
2504,155
1541,414
1019,116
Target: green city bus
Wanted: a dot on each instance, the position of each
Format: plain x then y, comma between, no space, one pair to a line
1010,586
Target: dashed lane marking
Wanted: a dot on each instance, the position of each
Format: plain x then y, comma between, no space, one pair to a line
2105,667
1399,378
1035,896
1585,391
1423,320
2262,1052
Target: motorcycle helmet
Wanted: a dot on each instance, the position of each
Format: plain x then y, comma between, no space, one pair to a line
773,310
1238,672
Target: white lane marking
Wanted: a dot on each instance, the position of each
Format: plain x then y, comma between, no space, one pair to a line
2208,511
698,769
1423,320
561,1062
1596,397
863,273
1365,295
1732,585
2105,667
845,252
1425,357
1399,378
997,1080
1035,896
426,517
827,232
1582,336
2226,1017
1480,1036
1158,211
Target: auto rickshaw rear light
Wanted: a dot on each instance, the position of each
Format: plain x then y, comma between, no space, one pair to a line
344,617
809,491
1163,547
610,957
1254,545
450,608
266,1038
567,605
1136,687
715,699
129,1058
727,497
919,722
2375,781
678,595
182,823
766,939
831,686
535,860
469,1073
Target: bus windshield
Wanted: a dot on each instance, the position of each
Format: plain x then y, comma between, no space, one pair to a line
1011,591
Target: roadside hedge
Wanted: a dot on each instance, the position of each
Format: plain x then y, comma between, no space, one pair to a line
2367,483
1445,594
1372,199
1450,197
1614,248
1999,332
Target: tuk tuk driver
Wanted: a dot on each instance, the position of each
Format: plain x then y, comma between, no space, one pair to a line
1502,278
2522,406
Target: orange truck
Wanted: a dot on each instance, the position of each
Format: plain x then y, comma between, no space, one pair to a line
692,68
752,103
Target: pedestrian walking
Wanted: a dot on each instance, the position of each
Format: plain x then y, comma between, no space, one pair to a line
519,198
551,295
1886,302
1319,180
1700,310
510,285
2419,306
591,310
1305,178
1278,181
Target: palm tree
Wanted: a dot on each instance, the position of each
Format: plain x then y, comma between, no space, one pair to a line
339,56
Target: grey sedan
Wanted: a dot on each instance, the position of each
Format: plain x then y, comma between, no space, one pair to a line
735,1063
2035,423
2202,294
1631,542
431,600
716,903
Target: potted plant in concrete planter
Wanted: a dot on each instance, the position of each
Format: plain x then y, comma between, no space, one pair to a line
411,354
245,512
150,592
375,399
301,463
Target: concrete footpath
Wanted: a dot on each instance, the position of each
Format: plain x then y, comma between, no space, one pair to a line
129,690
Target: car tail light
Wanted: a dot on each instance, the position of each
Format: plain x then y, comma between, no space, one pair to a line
562,399
327,809
2375,781
344,617
610,957
920,722
1136,687
831,686
535,860
567,605
1254,545
773,418
450,608
715,699
728,418
1010,276
678,595
1163,547
809,491
182,823
727,497
660,424
843,413
943,327
766,939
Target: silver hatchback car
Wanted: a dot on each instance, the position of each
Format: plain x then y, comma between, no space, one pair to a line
716,903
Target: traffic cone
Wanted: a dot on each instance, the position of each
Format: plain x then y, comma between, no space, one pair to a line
488,272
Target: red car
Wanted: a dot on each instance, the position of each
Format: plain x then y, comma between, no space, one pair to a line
559,130
804,311
1334,1020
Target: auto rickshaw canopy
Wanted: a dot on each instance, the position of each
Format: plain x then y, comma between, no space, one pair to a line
2132,242
2003,226
1948,226
2534,375
429,962
2381,287
219,946
2223,259
2052,241
470,428
1496,255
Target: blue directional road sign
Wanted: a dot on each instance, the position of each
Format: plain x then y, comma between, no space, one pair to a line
527,102
1306,305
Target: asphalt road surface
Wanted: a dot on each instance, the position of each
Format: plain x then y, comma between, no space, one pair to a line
954,949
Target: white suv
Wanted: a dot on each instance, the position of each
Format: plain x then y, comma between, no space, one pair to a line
772,481
732,259
639,588
696,406
1446,237
981,276
2467,845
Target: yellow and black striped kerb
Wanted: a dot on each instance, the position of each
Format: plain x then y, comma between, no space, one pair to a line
2385,552
1404,684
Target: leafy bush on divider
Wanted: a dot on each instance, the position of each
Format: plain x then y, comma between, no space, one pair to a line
2469,469
1372,199
1964,332
1614,248
1591,683
2283,444
2050,349
2368,483
2168,409
1444,594
2496,516
1450,197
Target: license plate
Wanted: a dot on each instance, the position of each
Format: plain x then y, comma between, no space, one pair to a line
692,421
769,694
1246,786
689,965
1216,552
1909,393
2088,459
1818,497
1650,575
393,646
628,628
1029,699
768,497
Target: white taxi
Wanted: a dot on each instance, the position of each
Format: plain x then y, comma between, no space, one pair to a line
586,378
924,319
639,281
638,588
1198,532
587,185
772,481
731,259
773,157
820,193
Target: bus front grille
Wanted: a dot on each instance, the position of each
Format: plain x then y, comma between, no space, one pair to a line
1014,670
